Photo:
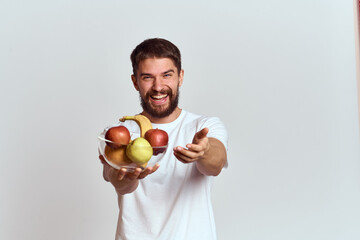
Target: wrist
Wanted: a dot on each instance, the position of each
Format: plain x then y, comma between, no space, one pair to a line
126,186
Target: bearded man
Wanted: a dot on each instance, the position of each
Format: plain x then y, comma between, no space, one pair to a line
171,201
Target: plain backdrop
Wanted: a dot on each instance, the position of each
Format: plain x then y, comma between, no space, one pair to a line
280,74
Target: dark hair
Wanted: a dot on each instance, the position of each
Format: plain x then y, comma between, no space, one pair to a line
155,48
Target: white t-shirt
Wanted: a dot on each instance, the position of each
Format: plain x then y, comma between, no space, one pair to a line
174,203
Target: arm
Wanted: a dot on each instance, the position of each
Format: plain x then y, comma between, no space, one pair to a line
125,181
213,160
208,153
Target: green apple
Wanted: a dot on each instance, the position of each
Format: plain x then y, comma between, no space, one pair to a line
139,151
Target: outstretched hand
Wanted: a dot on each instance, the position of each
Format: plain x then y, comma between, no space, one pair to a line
194,151
114,175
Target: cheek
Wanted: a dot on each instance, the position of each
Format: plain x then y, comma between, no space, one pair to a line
176,88
142,93
143,88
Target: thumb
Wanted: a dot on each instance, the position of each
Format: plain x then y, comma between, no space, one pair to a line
102,160
202,133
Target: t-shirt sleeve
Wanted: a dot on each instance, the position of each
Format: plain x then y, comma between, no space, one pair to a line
217,129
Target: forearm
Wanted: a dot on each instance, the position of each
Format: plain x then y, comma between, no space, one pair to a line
213,160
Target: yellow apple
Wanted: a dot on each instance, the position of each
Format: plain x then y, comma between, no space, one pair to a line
139,151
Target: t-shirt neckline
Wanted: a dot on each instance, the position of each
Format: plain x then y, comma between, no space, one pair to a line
170,124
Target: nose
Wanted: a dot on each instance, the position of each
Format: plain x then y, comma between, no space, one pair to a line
157,85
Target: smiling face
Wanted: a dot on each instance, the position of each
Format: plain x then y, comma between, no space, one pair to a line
158,81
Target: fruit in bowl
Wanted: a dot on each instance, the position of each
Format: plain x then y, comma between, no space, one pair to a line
157,139
117,136
139,151
120,151
117,156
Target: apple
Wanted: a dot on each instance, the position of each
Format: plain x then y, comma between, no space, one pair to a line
118,136
117,156
158,139
139,151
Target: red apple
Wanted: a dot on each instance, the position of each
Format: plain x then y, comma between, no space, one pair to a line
158,139
118,136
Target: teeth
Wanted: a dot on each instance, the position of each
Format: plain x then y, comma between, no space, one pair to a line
159,96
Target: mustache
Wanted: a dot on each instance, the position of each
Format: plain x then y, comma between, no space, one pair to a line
163,91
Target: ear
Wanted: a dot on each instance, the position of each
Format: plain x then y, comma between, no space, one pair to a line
181,77
133,78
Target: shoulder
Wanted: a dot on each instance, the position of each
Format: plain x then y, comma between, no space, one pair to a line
215,125
202,120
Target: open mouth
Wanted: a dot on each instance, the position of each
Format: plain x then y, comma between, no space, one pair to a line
159,98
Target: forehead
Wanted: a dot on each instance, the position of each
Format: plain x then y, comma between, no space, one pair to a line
156,65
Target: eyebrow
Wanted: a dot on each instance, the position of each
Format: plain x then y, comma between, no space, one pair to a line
149,74
169,71
145,74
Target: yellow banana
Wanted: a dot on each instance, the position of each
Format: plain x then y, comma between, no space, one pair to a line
143,122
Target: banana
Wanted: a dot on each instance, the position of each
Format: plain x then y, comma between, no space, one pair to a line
143,122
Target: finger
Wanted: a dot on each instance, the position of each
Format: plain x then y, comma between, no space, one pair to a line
106,173
195,147
102,159
135,174
121,174
202,133
156,167
188,153
178,157
182,158
146,172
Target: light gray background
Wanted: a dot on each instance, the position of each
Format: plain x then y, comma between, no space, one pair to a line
280,74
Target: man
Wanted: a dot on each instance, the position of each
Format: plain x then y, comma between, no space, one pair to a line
171,201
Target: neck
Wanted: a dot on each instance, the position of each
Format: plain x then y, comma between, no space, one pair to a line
172,117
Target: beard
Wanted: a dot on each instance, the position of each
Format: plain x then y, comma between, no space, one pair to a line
160,112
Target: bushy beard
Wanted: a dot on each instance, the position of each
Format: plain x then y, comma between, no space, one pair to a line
156,112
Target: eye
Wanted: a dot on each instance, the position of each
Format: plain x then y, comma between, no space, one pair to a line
146,77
